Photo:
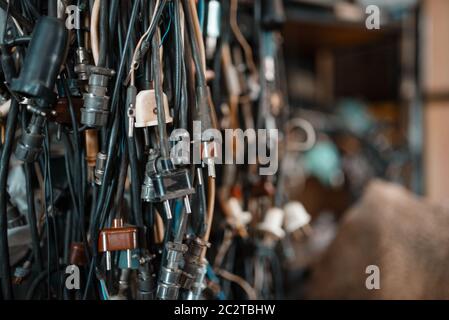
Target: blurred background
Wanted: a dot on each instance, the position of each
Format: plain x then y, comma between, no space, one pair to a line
371,95
378,100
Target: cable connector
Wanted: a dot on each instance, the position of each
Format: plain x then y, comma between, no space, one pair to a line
164,182
131,94
170,274
196,267
118,238
100,165
95,112
82,64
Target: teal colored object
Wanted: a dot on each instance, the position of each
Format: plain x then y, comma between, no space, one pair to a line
355,116
323,162
123,262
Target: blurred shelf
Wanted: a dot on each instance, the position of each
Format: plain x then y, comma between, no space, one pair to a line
315,23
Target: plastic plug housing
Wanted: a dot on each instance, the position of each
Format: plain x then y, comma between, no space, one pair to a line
45,54
36,82
163,182
272,223
118,238
78,254
146,282
146,111
296,216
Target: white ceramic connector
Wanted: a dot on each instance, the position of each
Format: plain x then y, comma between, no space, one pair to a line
296,216
273,222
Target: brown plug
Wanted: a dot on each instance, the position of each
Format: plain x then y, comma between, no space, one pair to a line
61,113
78,254
118,238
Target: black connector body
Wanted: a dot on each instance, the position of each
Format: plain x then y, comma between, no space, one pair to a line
36,82
171,185
45,55
164,182
30,146
146,282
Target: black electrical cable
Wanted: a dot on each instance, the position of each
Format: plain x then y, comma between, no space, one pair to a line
28,168
104,33
11,125
24,9
93,205
123,172
202,207
31,211
84,187
112,137
27,25
7,61
5,24
114,104
79,31
70,228
183,110
202,111
97,221
37,281
47,220
107,209
33,11
79,160
146,81
93,266
123,20
201,78
70,183
178,56
69,231
217,81
157,16
277,275
37,4
121,68
167,235
49,190
52,8
113,18
156,68
135,180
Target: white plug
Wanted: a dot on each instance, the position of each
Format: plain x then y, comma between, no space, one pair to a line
296,216
272,223
241,218
146,110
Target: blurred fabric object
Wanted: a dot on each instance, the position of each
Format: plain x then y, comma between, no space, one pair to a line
405,236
